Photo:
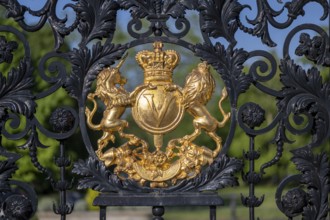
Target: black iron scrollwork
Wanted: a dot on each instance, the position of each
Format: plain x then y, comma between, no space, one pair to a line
218,18
15,96
266,15
309,198
305,93
157,12
303,98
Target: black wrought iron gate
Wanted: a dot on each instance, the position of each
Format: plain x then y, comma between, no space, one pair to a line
294,86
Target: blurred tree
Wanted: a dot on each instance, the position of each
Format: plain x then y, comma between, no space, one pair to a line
134,74
41,43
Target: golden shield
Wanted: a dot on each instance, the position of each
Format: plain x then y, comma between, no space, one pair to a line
157,110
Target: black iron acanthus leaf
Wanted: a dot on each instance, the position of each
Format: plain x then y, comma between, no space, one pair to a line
219,18
144,8
96,176
264,16
173,8
220,174
87,63
190,4
15,93
7,169
217,176
229,64
315,175
138,8
304,92
60,30
97,19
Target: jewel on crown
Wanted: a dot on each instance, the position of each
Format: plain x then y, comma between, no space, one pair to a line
158,65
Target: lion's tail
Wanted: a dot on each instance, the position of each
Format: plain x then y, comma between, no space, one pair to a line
90,114
226,116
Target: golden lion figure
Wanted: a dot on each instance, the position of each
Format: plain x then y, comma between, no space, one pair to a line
198,90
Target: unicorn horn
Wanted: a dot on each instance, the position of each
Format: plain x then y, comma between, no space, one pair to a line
121,61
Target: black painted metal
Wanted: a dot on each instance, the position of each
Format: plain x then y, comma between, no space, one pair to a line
303,94
160,200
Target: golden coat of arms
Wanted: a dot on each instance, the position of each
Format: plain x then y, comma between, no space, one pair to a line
158,106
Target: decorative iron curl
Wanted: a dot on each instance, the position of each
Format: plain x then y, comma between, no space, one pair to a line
14,121
56,66
293,202
311,197
136,25
18,203
158,26
304,93
47,12
316,50
182,25
266,15
263,67
16,97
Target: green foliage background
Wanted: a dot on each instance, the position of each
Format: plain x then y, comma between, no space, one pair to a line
42,43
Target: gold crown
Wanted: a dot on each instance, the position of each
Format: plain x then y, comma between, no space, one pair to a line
158,65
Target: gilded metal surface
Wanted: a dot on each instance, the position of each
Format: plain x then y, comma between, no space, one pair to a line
157,107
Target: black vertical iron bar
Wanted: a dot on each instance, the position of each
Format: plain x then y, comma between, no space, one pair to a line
103,212
213,212
62,191
251,184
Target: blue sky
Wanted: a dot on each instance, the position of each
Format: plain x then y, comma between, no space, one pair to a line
313,14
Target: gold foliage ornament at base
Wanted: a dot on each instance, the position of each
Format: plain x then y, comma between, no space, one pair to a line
157,106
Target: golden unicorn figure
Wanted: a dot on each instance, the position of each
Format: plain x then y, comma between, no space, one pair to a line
116,99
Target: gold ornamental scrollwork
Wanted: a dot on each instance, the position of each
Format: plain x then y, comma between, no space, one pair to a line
158,106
